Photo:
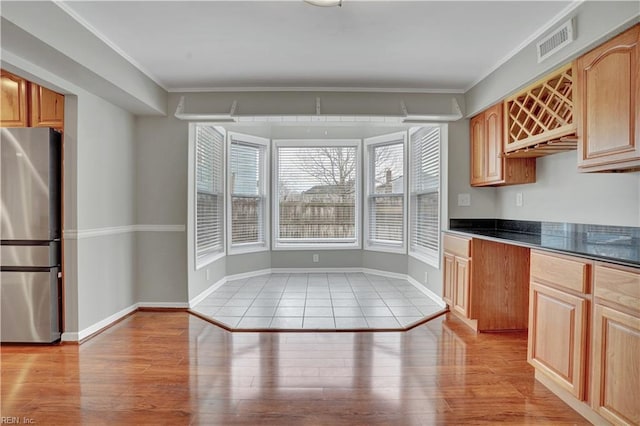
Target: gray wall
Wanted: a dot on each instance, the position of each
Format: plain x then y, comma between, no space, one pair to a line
104,186
161,188
595,21
562,194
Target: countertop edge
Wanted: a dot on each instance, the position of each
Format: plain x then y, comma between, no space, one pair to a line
537,247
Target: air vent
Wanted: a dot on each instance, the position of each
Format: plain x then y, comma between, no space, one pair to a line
555,41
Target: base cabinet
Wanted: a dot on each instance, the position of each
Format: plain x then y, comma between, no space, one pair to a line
456,273
558,336
584,335
615,373
486,283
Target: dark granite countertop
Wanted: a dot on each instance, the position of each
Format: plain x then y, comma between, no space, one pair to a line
616,244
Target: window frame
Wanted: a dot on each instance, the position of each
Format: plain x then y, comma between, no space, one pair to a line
264,173
203,259
425,255
276,243
369,194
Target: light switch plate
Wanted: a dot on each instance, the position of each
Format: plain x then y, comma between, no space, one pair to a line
464,200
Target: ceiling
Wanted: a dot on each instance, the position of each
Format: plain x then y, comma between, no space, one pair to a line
367,45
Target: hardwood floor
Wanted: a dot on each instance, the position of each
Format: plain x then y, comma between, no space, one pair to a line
174,368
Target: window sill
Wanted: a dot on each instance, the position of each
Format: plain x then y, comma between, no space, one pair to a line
205,260
246,249
387,248
295,247
429,260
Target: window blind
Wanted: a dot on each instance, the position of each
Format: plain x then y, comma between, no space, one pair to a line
424,202
317,194
209,189
385,193
247,176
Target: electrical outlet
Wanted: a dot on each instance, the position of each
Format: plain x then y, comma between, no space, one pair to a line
464,200
316,258
206,274
519,201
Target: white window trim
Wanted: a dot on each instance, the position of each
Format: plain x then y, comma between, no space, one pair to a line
389,247
249,247
428,256
202,261
276,244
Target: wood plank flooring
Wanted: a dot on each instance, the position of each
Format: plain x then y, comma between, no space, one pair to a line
174,368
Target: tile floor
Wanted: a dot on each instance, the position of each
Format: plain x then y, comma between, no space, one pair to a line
318,301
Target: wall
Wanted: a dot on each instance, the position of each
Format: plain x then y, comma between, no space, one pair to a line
595,21
562,194
105,160
161,188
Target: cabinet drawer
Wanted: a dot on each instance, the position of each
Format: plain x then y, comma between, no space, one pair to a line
620,286
458,246
560,271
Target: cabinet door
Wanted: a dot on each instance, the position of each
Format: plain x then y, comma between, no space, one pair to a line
608,81
615,374
477,150
14,101
494,163
461,286
47,108
557,343
448,279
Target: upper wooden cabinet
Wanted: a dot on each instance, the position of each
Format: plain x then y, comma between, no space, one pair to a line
608,80
489,167
539,119
26,104
14,101
47,108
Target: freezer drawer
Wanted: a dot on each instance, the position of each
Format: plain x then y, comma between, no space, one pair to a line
29,307
43,255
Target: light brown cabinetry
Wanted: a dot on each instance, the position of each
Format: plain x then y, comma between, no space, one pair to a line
608,104
615,371
558,319
26,104
486,284
47,108
14,101
456,273
489,167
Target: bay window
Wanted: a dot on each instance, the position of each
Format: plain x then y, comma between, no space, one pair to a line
424,196
384,217
209,168
316,187
248,207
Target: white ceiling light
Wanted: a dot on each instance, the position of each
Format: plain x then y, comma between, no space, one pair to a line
324,3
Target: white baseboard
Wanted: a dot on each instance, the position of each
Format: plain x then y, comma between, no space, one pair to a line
386,274
314,270
169,305
77,336
203,295
249,274
430,294
70,336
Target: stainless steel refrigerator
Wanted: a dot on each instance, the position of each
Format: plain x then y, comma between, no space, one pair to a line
30,171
